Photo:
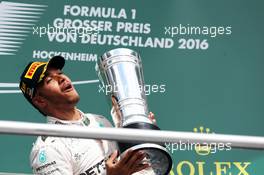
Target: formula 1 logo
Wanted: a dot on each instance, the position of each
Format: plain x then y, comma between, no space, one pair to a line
16,22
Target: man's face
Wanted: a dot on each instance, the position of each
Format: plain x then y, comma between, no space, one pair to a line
57,90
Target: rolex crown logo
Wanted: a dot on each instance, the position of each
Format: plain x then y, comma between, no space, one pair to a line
203,149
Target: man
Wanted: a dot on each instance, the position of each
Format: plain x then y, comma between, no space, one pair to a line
52,93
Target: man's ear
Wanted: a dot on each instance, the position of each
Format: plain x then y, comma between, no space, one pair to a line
39,101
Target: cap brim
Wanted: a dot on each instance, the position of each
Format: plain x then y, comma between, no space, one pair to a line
56,62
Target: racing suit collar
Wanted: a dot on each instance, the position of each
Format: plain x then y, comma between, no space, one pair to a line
54,120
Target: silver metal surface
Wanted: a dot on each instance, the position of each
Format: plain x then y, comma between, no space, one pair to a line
157,157
120,71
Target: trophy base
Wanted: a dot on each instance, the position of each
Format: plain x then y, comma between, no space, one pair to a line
157,155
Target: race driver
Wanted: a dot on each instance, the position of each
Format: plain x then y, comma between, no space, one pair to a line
51,92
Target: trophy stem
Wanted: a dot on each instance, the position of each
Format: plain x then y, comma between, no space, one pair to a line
125,146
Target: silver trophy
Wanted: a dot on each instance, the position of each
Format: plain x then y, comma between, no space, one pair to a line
121,74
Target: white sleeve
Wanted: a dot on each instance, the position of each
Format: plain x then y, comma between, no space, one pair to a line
51,160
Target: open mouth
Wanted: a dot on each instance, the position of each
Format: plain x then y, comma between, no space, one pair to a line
67,87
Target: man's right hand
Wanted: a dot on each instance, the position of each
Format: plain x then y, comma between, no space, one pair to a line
130,163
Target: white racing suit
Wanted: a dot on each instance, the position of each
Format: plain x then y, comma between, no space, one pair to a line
73,156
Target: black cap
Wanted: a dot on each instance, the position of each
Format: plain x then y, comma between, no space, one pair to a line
34,73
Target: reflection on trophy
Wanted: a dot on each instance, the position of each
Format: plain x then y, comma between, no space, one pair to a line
120,71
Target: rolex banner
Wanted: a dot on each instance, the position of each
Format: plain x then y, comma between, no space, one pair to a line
203,70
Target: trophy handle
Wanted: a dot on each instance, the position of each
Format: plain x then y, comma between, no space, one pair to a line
115,112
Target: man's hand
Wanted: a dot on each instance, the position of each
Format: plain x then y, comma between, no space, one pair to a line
130,163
